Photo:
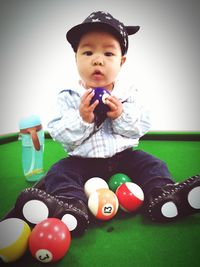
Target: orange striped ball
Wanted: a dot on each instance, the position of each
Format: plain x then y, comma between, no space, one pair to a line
103,204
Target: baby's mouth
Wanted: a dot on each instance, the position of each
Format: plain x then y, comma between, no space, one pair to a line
97,73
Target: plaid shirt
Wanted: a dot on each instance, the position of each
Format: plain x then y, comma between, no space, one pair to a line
83,139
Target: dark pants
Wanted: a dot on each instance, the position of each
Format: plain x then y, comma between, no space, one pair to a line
67,177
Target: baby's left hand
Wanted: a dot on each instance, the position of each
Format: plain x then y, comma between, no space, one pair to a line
115,106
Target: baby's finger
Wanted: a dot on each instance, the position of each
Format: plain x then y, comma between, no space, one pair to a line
88,94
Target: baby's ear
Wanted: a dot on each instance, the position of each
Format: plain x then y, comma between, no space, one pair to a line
123,59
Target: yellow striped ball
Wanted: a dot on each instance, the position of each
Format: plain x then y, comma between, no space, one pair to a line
14,235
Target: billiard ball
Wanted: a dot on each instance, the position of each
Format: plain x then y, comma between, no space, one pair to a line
103,204
117,179
93,184
100,94
14,235
130,196
49,240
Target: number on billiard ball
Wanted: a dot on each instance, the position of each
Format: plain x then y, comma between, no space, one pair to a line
103,204
49,240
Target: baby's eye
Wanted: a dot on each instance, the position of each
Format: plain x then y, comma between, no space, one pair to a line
109,54
88,53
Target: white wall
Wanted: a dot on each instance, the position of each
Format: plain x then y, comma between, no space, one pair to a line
164,59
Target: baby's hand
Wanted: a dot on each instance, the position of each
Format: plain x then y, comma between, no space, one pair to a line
85,109
116,107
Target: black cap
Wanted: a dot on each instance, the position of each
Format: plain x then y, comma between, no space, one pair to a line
101,20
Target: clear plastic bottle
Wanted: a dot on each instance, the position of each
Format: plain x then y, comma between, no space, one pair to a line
32,137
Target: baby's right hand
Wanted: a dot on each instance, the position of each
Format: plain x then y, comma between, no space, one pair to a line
85,109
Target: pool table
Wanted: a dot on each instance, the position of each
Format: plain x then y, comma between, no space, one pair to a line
127,239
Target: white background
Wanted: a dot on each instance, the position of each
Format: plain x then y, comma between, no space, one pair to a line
36,62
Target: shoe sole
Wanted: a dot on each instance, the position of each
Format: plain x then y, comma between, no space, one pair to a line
181,201
34,205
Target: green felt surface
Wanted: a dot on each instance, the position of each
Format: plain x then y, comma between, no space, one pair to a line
128,239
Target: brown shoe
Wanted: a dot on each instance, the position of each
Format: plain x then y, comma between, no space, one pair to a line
34,205
173,201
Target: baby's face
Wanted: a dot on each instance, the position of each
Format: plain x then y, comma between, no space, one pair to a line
99,59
